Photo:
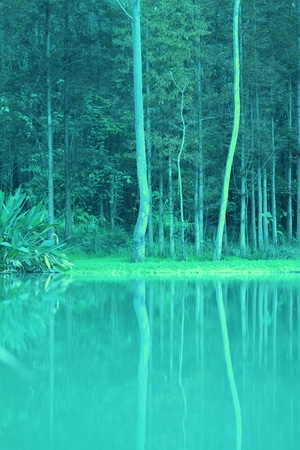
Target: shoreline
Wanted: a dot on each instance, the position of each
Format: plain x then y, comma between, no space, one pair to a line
155,267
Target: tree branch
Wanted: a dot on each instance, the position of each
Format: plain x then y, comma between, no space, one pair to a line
124,10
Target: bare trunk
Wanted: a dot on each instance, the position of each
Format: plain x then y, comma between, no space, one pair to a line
289,218
196,212
67,162
49,117
149,157
243,246
199,179
243,217
161,215
260,210
274,206
253,213
182,145
273,180
112,204
139,244
66,107
298,140
171,207
265,208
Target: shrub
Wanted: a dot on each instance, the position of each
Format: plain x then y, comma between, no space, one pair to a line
24,238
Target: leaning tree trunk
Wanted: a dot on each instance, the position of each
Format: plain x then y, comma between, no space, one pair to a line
139,234
234,136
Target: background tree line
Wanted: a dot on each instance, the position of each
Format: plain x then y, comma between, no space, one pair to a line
67,125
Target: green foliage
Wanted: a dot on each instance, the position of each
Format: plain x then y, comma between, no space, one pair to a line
24,238
93,235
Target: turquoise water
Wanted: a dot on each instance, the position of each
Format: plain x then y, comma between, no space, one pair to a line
143,364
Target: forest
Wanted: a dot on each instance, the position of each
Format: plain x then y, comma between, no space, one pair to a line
67,122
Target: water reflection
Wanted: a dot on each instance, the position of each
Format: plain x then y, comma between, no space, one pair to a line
124,365
228,363
142,318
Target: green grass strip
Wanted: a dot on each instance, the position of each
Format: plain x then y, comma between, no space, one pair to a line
155,267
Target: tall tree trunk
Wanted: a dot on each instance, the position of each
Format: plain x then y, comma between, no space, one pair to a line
265,208
260,210
234,136
49,117
149,154
183,256
66,109
243,246
289,212
273,186
196,212
201,205
298,139
161,228
253,213
243,216
112,203
199,188
253,199
171,206
139,244
182,145
67,162
289,209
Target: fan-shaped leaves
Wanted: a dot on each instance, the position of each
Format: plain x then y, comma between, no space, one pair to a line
24,238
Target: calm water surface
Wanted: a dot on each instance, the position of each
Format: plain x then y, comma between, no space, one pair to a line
164,364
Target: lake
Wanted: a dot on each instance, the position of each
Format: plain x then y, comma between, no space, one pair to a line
150,364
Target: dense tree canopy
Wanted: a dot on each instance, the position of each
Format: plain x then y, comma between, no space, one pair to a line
87,73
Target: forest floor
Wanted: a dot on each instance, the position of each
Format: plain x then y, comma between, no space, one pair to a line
157,267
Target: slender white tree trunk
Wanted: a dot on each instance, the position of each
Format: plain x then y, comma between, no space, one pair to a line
199,179
273,186
171,206
260,210
253,213
265,208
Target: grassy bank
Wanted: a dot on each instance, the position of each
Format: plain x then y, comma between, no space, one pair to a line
155,267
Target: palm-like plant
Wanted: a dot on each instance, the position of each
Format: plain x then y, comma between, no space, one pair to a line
24,237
